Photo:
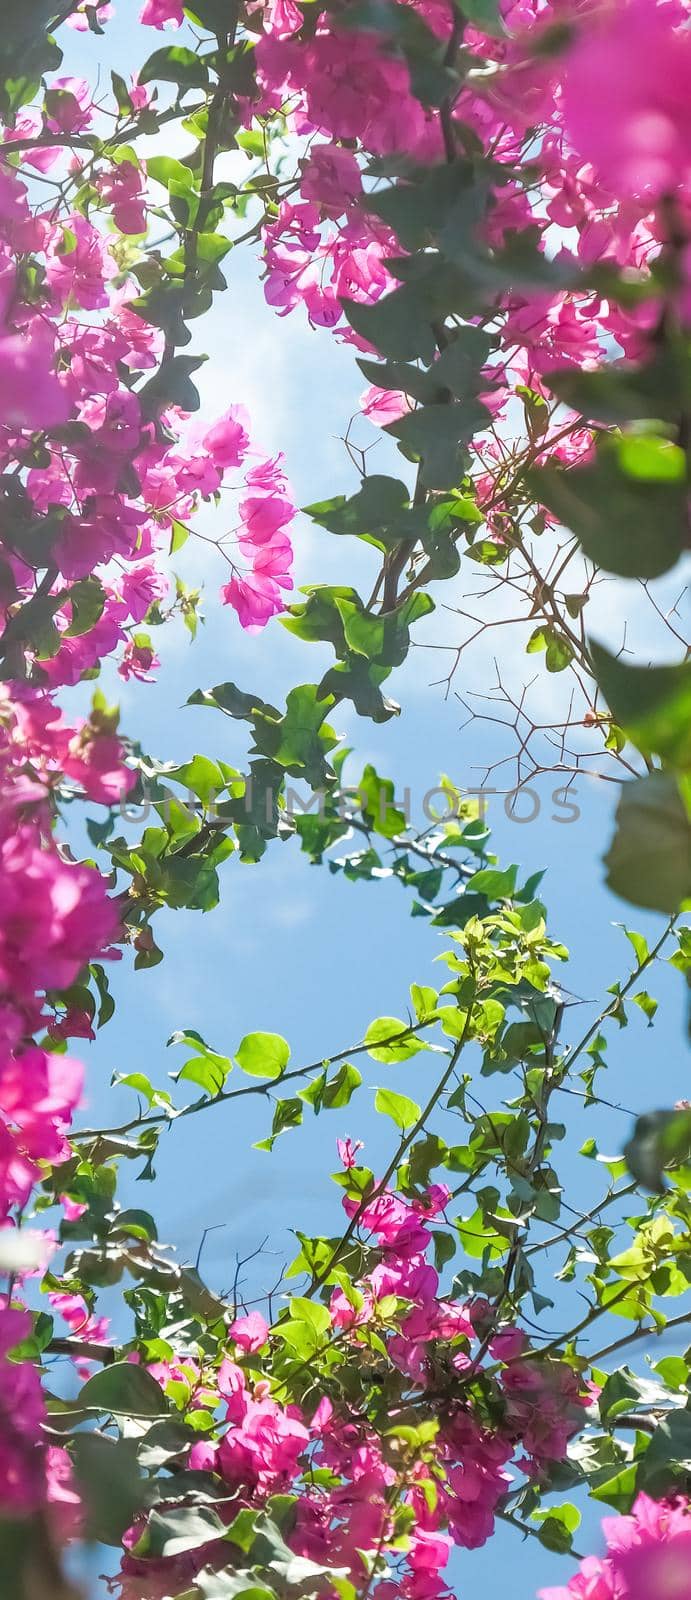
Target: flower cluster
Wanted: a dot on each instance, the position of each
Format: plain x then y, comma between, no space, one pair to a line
609,162
96,466
101,473
648,1554
350,1489
116,466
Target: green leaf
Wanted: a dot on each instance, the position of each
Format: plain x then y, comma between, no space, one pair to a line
121,94
667,1460
619,1490
379,508
111,1487
660,1139
401,1042
649,860
443,203
631,523
305,736
377,797
651,704
287,1114
230,1585
399,325
202,776
163,1441
263,1055
172,1533
171,386
646,1003
304,1310
270,1551
211,14
557,1525
175,64
404,1112
651,458
126,1390
135,1224
227,697
423,997
495,884
437,436
484,14
673,1372
179,535
209,1071
165,170
339,1091
624,392
87,599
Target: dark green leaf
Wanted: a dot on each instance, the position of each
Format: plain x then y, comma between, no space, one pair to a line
660,1140
651,704
175,64
126,1390
111,1488
632,525
649,859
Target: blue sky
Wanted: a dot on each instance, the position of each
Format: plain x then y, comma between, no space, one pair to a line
292,948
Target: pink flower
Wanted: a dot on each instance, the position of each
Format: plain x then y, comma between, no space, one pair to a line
162,13
382,406
662,1570
71,105
139,93
626,100
250,1332
648,1557
227,441
141,587
96,764
282,18
331,176
21,1416
434,1200
254,599
507,1344
79,265
272,560
79,18
429,1550
63,1498
31,395
348,1150
38,1094
263,515
123,189
138,661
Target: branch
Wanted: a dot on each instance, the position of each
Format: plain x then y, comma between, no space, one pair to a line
84,1134
82,1350
640,1333
404,1145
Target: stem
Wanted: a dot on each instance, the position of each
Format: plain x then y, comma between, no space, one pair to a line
640,1333
404,1145
82,1350
625,989
541,1107
528,1532
588,1216
82,1135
